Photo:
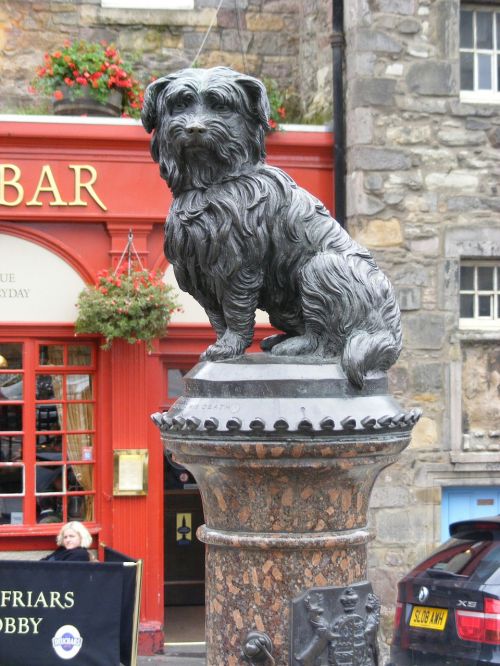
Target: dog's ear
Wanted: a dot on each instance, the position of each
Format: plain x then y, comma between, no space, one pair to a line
257,96
149,112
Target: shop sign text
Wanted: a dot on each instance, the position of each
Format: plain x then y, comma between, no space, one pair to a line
13,192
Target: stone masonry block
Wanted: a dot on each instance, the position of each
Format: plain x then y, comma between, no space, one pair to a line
264,22
381,233
425,330
378,42
494,137
379,159
373,92
427,377
425,434
396,6
389,496
409,298
432,78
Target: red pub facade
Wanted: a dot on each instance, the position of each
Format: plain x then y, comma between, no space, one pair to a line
74,417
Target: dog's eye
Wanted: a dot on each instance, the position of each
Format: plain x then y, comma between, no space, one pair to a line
181,103
217,104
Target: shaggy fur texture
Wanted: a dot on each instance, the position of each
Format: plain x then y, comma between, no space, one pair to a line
242,235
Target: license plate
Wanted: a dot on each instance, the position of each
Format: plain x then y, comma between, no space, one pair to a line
428,618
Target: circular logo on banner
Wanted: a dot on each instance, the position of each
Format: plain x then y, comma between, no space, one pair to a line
67,642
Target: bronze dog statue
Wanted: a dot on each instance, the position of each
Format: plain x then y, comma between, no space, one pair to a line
242,235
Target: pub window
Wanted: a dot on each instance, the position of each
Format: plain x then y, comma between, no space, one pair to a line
480,53
480,295
47,432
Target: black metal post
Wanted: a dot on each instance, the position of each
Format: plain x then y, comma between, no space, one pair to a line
338,109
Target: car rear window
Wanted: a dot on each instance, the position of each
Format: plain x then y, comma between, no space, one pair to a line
476,558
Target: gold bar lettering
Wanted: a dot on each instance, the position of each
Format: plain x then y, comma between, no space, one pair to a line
46,172
80,185
12,182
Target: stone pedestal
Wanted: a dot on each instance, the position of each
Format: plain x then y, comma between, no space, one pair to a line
285,455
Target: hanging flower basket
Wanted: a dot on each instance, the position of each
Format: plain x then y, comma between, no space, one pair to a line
70,103
87,78
132,305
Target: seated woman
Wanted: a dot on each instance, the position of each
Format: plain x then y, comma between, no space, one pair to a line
73,540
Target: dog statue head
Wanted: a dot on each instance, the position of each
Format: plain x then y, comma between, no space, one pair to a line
209,125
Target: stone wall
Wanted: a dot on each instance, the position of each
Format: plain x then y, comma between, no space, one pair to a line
263,38
423,174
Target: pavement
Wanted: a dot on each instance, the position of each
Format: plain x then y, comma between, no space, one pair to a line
177,654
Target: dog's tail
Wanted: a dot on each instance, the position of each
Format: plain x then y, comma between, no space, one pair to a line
365,352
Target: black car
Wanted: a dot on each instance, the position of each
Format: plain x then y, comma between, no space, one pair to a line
448,607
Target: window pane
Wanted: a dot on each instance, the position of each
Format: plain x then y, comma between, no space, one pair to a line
466,71
485,303
11,355
47,446
11,417
77,507
11,480
11,511
11,448
81,507
47,417
79,355
79,387
49,478
80,477
80,447
484,30
485,278
11,386
467,305
49,509
484,72
49,387
51,355
466,278
466,29
80,416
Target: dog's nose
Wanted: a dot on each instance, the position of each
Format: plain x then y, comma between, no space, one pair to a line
195,128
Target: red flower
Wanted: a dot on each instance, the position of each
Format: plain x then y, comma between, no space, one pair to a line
58,94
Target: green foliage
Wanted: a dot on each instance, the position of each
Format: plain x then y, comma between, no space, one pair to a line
133,307
86,67
277,100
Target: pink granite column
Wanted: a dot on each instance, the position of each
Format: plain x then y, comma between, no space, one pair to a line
285,466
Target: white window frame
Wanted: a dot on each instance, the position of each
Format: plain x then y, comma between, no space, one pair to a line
492,322
482,96
148,4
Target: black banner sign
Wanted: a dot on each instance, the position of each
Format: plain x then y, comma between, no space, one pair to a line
60,612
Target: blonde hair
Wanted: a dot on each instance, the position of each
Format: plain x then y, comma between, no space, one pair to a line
80,529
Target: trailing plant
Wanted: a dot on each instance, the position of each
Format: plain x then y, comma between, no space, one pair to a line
90,68
129,304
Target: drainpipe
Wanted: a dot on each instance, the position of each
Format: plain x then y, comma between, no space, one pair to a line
337,42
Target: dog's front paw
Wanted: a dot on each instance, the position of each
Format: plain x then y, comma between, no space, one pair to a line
296,346
229,346
268,343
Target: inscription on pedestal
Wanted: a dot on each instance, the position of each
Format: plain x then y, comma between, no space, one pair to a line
335,626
